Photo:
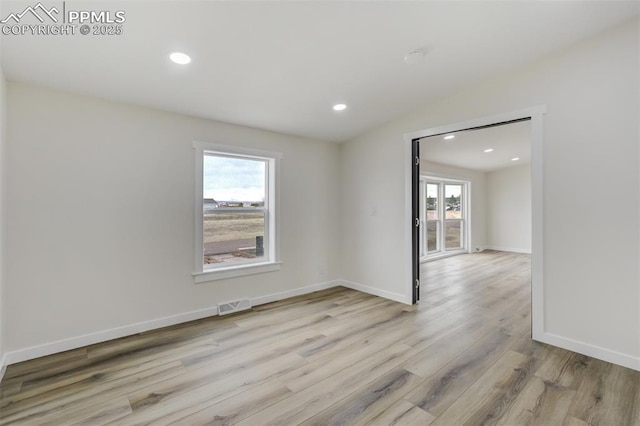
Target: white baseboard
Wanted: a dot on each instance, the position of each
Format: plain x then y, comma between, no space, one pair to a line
509,249
292,293
128,330
102,336
397,297
590,350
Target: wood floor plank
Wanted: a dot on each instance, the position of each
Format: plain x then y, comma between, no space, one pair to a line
96,414
434,357
403,412
608,394
455,323
489,398
336,361
161,399
230,410
453,378
462,356
346,333
539,403
54,407
310,401
526,346
362,406
21,369
79,370
562,367
572,421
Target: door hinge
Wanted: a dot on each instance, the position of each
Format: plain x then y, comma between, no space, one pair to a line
417,222
417,161
417,283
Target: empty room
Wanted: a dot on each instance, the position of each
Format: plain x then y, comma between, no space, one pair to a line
274,212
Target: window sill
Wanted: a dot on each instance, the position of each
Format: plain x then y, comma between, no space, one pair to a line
235,271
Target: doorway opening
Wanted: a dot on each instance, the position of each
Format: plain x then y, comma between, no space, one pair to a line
475,239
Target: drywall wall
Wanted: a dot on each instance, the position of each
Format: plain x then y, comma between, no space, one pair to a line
509,209
101,216
591,297
477,181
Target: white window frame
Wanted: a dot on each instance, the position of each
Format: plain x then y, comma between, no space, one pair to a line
465,240
271,259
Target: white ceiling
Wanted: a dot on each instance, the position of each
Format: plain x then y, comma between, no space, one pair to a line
282,65
466,150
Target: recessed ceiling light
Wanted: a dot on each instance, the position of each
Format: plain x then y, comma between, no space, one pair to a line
414,57
180,58
449,137
488,150
515,158
339,107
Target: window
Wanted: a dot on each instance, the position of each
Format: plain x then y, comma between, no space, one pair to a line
444,212
453,229
236,211
433,218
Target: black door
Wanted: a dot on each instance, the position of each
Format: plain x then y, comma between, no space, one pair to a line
415,217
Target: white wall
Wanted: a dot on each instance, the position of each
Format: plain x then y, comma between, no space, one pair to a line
509,209
101,219
591,297
477,181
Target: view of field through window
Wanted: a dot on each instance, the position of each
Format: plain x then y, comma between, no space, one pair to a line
452,194
234,215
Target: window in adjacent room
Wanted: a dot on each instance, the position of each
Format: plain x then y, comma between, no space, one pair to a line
236,205
444,208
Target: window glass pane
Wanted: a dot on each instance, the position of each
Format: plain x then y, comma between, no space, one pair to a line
233,182
233,237
453,234
432,201
453,201
432,236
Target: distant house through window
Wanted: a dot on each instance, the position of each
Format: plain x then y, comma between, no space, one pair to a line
236,229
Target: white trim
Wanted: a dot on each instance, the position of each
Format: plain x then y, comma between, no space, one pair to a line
397,297
443,178
240,150
3,366
103,336
261,300
591,350
483,121
128,330
271,210
443,254
235,271
537,268
537,217
509,249
465,217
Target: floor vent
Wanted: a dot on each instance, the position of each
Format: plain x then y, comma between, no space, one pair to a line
235,306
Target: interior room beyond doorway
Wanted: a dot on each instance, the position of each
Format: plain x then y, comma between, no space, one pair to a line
476,191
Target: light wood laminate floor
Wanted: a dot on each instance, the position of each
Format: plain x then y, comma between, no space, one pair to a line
463,356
